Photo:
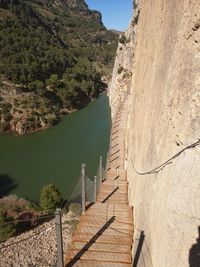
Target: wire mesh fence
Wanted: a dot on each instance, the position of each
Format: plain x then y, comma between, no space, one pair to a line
75,196
90,190
91,184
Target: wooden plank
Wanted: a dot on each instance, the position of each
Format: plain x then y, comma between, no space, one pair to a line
90,221
102,239
102,230
127,213
111,213
113,171
114,201
99,256
115,225
116,177
105,207
116,196
111,187
81,263
114,214
100,247
112,194
109,207
102,220
115,183
102,197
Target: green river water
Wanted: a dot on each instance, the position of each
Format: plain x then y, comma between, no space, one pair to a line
55,155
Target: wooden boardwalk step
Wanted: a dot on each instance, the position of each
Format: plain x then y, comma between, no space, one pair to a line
100,247
109,210
115,183
111,188
99,256
81,263
92,220
116,178
113,201
105,197
115,191
102,239
103,231
115,174
113,215
121,172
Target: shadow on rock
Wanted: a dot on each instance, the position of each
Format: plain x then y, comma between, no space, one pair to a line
194,253
139,249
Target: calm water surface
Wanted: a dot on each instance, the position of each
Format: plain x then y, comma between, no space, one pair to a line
55,155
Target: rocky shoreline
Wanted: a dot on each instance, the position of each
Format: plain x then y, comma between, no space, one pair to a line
27,121
37,247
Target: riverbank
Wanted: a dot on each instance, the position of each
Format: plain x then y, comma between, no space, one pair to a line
23,112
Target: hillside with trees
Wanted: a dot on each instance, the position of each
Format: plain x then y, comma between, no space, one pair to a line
53,55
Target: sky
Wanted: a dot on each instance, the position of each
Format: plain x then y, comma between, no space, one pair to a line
116,14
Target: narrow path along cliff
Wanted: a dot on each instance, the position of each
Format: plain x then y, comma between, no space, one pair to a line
104,234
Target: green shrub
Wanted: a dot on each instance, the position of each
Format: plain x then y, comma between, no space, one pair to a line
52,120
53,81
33,207
6,230
50,198
36,86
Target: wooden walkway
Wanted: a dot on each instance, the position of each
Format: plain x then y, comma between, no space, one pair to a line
104,234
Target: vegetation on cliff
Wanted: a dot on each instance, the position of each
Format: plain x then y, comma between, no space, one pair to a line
50,198
18,214
52,57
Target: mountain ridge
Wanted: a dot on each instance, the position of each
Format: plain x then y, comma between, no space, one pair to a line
53,54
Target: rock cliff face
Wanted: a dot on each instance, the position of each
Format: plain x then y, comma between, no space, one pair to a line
123,67
80,4
164,99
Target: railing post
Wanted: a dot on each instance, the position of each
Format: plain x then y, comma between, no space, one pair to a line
101,169
95,188
83,182
107,166
60,261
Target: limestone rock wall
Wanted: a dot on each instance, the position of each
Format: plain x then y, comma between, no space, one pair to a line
122,71
164,119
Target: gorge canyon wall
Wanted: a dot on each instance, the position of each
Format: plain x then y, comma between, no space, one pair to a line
157,69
